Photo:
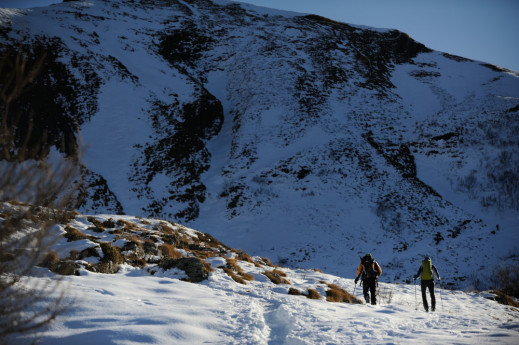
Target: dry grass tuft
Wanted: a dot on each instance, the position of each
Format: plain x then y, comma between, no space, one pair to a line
504,299
234,276
116,232
243,256
163,228
294,291
73,234
211,241
88,252
135,261
207,267
279,272
134,239
337,294
95,222
109,223
232,263
235,271
313,294
111,253
204,254
50,259
96,229
276,278
266,261
169,251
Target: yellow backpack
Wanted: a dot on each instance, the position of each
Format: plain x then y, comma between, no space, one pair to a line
427,269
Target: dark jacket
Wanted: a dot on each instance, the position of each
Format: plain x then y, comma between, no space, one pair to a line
362,271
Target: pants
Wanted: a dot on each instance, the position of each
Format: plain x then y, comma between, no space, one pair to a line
370,284
428,284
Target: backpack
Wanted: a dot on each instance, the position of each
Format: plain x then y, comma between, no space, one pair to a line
427,269
368,265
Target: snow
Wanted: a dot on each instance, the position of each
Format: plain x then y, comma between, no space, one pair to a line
132,307
155,306
325,218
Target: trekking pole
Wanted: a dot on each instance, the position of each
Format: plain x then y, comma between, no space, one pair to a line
441,298
415,301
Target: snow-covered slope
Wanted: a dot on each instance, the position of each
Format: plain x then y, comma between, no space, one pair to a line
147,302
131,307
287,135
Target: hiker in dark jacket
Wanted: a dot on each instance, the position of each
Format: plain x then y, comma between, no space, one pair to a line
369,271
426,271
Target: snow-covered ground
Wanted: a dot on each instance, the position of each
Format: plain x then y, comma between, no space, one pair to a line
132,307
150,305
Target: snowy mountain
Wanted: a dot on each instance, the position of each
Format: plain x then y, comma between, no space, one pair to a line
175,285
287,135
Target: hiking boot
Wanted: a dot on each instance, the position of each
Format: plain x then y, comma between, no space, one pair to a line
433,308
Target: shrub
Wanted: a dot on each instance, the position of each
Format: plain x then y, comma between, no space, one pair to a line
506,279
28,174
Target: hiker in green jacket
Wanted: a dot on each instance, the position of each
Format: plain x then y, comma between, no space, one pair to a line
426,271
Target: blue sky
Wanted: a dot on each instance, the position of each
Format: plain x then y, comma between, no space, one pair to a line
484,30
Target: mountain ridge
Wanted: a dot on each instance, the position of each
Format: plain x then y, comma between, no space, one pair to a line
289,135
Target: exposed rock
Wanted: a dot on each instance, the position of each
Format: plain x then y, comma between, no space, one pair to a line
193,267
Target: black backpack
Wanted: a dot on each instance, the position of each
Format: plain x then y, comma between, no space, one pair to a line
368,265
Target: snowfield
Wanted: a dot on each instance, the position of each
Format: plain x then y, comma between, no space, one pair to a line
147,304
132,307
